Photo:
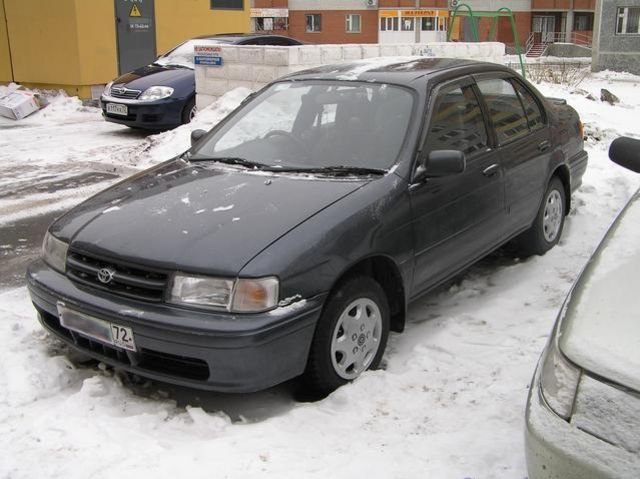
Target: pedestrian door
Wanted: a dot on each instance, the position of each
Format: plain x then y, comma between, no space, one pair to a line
136,33
544,27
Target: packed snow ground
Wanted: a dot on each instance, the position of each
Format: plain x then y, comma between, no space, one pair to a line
449,402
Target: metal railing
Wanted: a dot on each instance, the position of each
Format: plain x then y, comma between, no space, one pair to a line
579,38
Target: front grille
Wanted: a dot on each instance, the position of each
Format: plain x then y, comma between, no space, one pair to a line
126,280
145,359
121,92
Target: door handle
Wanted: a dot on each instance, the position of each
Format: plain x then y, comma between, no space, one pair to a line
544,145
491,170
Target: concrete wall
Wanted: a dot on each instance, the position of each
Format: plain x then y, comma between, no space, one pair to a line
6,72
568,50
611,51
253,66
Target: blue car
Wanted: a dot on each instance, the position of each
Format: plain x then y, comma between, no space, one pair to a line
163,95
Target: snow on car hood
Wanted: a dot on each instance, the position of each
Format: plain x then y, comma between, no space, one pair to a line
601,331
200,218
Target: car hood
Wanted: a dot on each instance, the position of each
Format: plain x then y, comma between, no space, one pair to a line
155,75
601,329
197,218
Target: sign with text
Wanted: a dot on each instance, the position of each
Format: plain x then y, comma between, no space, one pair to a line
207,55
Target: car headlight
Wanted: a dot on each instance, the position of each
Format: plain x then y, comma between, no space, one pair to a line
156,93
107,88
54,252
240,296
558,379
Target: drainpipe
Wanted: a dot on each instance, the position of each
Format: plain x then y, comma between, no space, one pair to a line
415,24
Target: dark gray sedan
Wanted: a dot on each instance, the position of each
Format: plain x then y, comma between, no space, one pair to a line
290,239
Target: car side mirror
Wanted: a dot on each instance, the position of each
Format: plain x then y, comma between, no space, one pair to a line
440,163
196,135
625,152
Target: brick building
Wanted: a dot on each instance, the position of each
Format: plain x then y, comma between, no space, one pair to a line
402,21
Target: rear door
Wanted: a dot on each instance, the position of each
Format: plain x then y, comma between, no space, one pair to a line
523,140
458,218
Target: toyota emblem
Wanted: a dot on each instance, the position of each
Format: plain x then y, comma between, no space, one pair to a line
105,275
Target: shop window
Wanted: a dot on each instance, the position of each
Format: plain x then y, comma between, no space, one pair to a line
407,24
428,24
628,21
227,4
389,24
313,22
353,22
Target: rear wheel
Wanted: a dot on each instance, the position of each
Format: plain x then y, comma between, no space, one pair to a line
547,228
351,335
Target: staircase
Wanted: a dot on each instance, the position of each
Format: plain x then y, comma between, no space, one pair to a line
537,50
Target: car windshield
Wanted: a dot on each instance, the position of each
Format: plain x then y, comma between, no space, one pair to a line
182,55
315,125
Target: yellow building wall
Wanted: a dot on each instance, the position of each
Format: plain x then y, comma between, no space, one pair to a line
44,41
97,48
6,73
179,21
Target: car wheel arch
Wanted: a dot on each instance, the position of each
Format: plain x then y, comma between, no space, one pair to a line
385,272
563,174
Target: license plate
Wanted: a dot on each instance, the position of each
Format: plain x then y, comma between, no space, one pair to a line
117,109
95,328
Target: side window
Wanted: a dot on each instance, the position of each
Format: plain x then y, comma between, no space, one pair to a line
456,122
531,107
505,109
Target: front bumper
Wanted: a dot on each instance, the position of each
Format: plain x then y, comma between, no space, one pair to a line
556,449
205,350
159,114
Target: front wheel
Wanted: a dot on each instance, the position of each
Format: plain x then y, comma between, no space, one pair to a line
351,335
547,227
189,111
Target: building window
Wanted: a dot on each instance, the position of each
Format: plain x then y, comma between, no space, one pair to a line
352,23
407,24
628,21
428,24
227,4
268,24
313,22
389,24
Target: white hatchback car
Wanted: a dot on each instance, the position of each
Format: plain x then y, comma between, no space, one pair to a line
583,412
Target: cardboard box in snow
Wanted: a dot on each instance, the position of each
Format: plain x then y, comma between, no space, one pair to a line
18,104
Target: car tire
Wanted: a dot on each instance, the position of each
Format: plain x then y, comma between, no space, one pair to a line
189,111
350,336
547,227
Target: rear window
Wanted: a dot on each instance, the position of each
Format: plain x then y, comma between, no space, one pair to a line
505,109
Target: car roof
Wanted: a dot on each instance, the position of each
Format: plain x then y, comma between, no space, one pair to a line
397,70
240,37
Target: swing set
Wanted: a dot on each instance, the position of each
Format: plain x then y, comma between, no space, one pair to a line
501,12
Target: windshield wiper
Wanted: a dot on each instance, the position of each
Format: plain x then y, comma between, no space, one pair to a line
231,160
338,170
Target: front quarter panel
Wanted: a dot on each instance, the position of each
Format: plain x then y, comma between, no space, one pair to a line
374,220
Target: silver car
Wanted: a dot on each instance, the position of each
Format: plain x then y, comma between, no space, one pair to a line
583,412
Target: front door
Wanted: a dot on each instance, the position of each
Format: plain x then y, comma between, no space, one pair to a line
458,218
545,27
136,31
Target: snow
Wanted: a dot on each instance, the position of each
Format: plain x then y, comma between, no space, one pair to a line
449,401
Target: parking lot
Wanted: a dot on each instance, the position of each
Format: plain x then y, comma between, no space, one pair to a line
449,401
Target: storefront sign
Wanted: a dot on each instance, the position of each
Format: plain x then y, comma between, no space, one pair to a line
413,13
207,55
269,12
